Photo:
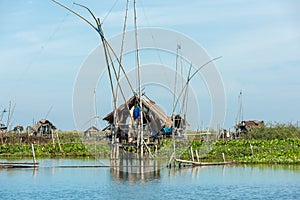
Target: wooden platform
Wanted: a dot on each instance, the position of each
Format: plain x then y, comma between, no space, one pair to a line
18,164
194,163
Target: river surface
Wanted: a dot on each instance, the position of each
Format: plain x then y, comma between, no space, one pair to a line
63,179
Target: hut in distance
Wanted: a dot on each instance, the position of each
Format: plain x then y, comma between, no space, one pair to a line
43,128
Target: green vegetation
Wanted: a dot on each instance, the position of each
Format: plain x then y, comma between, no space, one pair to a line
262,151
274,131
70,144
274,143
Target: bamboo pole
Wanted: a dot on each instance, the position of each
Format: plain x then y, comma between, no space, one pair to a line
33,154
1,136
148,149
8,117
59,143
251,147
53,143
122,48
170,160
139,79
117,150
189,79
223,156
192,154
197,156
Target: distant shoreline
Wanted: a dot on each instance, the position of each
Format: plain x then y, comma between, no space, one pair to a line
275,144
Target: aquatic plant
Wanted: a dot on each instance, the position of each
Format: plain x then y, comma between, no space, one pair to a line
275,143
274,131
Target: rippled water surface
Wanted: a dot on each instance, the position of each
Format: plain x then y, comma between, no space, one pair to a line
61,179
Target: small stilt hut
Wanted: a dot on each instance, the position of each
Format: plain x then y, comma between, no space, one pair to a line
126,123
90,131
44,128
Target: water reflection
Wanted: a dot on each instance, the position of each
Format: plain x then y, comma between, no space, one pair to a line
134,170
140,179
34,171
141,171
243,174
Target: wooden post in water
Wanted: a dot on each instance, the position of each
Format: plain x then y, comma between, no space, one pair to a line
170,160
53,143
223,156
117,150
33,154
59,143
197,156
192,153
251,147
1,136
112,152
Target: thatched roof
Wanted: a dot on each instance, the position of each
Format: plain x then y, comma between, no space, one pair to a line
18,128
43,122
91,129
151,111
248,125
2,126
180,122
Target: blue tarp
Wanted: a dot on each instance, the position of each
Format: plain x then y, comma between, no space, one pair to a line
167,130
136,113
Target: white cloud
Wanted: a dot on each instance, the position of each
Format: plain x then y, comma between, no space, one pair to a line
262,46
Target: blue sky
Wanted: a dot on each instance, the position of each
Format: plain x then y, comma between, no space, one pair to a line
43,47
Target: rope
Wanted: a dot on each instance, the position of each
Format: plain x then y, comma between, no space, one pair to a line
43,47
107,14
121,90
121,53
189,78
152,37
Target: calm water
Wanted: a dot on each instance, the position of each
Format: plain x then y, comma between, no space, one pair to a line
52,181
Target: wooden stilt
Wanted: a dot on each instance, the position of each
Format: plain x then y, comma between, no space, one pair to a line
148,150
59,143
111,151
170,160
223,156
117,150
1,134
33,154
53,143
192,154
251,147
197,156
